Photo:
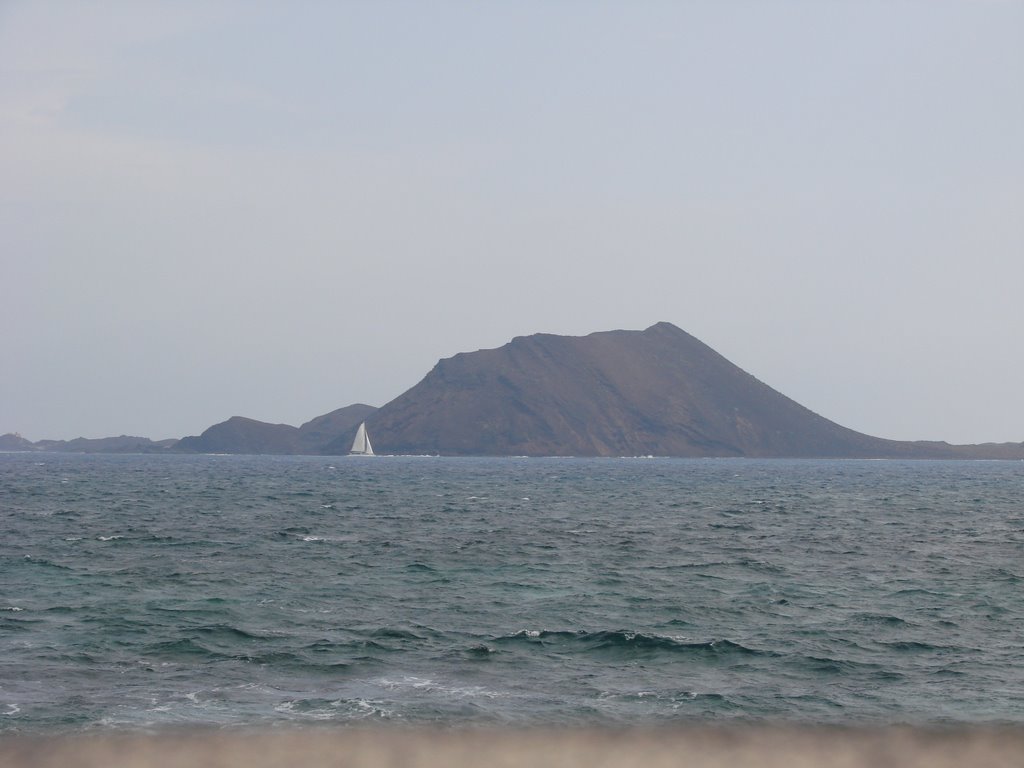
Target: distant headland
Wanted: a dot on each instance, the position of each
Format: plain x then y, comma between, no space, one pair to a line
657,392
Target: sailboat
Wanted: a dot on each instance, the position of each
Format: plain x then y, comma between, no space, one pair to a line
361,445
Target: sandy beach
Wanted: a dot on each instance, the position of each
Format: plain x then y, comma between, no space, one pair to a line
699,747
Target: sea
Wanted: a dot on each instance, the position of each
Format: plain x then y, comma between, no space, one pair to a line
144,592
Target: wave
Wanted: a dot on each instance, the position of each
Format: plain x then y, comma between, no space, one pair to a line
183,648
227,632
826,665
627,641
883,619
394,633
919,591
34,560
913,646
191,649
315,709
433,687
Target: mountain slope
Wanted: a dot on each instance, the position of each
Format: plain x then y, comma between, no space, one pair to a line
618,393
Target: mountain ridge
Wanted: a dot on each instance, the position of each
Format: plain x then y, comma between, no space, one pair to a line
242,435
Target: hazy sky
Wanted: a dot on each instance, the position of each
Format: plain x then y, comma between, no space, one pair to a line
275,209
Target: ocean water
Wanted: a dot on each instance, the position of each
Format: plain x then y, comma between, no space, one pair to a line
154,591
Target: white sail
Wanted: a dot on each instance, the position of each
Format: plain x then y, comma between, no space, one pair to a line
361,445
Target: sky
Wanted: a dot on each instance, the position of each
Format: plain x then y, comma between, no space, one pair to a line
276,209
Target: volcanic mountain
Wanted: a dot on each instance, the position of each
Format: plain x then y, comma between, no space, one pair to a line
617,393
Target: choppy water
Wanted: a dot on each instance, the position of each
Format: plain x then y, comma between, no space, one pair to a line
144,591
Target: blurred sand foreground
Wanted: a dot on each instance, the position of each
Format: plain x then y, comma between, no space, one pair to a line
700,747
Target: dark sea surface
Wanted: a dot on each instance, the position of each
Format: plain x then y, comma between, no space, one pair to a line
150,591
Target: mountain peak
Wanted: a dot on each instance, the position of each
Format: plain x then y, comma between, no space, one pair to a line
664,325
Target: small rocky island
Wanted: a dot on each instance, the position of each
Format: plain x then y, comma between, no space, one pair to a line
657,392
